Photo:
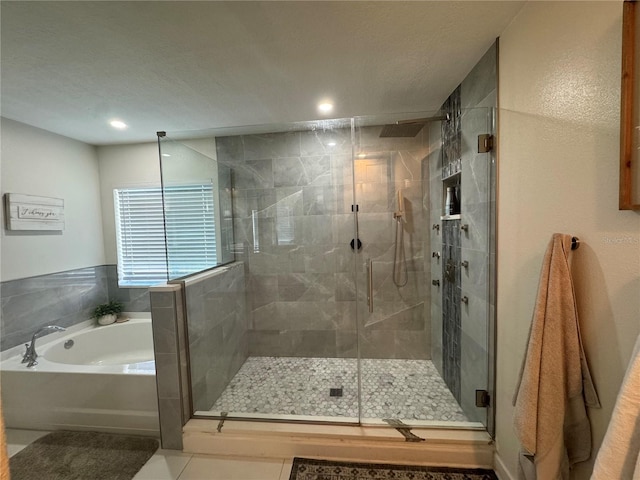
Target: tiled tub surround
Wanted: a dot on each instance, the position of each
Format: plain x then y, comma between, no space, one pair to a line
217,330
133,299
391,389
63,299
293,225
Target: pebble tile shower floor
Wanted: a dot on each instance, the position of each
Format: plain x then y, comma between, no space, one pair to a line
398,389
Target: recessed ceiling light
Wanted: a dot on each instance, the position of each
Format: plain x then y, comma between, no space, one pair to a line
119,124
325,107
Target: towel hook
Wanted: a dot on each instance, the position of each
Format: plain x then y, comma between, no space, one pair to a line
575,243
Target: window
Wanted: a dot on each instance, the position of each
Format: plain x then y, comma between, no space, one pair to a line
140,233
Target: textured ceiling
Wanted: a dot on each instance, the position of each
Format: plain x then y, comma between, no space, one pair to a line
70,67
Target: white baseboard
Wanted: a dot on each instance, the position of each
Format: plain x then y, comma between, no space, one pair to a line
501,469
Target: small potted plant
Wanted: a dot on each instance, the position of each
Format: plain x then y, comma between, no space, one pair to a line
107,313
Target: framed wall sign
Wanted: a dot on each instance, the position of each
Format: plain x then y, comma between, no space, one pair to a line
29,212
630,108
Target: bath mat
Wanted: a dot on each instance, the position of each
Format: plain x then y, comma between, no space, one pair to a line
66,455
308,469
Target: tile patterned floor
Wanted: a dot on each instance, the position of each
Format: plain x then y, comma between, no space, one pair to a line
399,389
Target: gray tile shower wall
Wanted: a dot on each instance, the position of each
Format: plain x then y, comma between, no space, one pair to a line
479,97
293,225
399,326
170,350
64,299
451,134
452,130
133,299
217,330
476,104
433,260
451,306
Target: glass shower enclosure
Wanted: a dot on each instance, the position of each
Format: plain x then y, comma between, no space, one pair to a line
343,291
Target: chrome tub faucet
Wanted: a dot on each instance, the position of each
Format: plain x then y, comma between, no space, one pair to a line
30,355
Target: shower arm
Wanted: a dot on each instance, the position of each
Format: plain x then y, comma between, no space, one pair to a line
438,118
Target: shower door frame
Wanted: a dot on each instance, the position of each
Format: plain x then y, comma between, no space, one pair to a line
359,292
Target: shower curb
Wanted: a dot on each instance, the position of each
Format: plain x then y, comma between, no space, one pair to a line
453,448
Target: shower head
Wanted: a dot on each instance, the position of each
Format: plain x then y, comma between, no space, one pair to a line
409,128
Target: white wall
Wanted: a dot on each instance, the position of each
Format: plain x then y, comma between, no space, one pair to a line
38,162
558,172
123,166
138,165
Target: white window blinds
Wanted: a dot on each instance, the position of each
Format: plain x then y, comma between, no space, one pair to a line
140,229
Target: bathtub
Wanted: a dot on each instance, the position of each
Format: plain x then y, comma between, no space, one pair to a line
90,377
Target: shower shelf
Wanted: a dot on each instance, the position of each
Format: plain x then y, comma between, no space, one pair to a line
450,217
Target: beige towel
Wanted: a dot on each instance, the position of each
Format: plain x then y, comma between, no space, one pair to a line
619,455
550,416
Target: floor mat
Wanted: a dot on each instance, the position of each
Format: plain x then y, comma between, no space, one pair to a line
64,455
308,469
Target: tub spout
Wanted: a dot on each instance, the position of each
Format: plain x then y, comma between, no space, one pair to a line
30,355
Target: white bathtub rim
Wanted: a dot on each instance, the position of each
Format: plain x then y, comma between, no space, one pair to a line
10,359
55,336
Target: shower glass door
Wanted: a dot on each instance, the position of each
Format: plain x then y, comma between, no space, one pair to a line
293,227
412,285
352,297
392,226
